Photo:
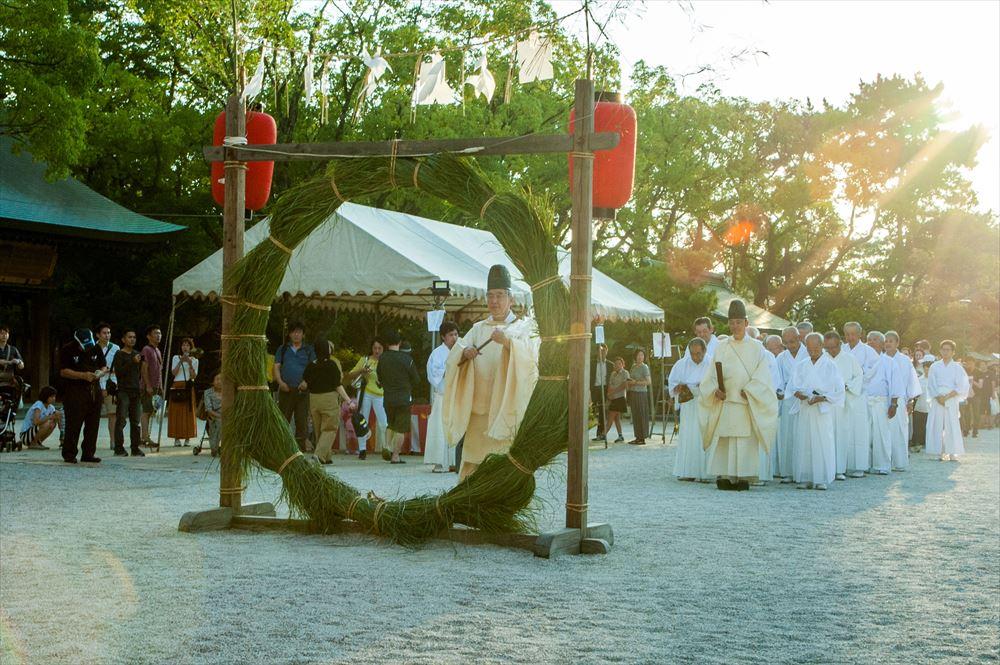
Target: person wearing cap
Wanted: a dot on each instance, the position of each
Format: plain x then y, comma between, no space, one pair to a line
82,365
740,415
489,377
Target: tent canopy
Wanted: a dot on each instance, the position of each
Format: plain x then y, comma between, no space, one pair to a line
363,258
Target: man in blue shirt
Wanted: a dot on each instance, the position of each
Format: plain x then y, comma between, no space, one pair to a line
290,361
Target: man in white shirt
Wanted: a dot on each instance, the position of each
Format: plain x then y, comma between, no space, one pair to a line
903,372
704,329
886,391
817,389
794,353
108,382
851,418
947,386
437,449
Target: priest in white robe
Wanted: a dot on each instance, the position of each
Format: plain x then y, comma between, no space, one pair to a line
903,372
437,449
739,414
490,375
851,418
684,385
816,391
859,456
774,347
947,385
793,354
704,329
886,392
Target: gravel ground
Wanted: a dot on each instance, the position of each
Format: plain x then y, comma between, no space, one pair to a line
901,569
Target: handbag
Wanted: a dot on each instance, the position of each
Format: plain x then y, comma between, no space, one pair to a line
360,424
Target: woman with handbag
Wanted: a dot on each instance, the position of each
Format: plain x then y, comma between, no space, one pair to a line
181,422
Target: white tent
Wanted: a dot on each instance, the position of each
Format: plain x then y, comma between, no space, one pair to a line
366,258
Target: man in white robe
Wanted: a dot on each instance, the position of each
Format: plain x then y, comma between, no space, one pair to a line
774,347
805,329
739,414
490,375
817,389
886,391
947,386
903,372
851,440
683,384
793,354
859,456
437,449
704,329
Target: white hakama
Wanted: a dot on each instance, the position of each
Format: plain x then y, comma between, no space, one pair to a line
815,451
899,430
851,440
436,449
944,429
691,460
881,433
787,415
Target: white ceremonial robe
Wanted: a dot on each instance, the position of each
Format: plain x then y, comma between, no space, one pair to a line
486,398
437,449
867,357
691,459
779,385
851,418
786,422
899,431
885,385
944,429
712,342
815,448
747,419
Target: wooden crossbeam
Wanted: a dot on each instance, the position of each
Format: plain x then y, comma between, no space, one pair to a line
517,145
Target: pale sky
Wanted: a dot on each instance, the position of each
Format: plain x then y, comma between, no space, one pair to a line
823,49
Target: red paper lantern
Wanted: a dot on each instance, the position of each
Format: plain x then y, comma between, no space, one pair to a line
614,170
261,130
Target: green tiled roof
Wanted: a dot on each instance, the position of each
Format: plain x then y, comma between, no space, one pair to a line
66,207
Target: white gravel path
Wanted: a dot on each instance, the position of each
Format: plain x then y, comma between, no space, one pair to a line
897,569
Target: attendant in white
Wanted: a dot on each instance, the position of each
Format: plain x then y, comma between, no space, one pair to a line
817,389
691,461
753,333
704,329
947,385
848,418
109,408
885,391
902,367
859,455
774,347
438,450
921,405
793,354
804,329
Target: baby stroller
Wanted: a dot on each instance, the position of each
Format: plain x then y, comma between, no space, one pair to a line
10,399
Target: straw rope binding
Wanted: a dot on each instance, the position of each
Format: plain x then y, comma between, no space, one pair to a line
279,244
297,454
545,282
517,465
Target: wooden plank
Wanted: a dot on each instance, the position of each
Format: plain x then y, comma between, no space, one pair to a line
213,519
563,541
261,508
581,262
466,536
230,477
594,546
268,523
534,144
601,531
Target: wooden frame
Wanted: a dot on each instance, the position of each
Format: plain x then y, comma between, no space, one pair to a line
579,536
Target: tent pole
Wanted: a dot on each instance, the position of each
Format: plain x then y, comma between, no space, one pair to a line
166,371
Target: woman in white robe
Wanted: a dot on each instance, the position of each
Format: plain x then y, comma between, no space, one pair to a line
947,385
817,389
691,460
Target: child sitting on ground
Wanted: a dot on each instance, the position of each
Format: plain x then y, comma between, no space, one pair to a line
40,420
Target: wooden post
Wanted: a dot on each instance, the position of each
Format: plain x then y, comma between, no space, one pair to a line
579,307
232,251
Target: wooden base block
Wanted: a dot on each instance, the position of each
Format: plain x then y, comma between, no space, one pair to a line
216,519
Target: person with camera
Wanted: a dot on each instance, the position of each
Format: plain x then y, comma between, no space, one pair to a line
81,363
181,422
10,362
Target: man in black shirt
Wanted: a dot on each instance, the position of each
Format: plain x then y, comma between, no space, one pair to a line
81,364
127,365
398,374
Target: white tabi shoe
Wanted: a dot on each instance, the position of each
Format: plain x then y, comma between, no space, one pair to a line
857,474
787,481
820,486
804,486
840,476
945,458
879,472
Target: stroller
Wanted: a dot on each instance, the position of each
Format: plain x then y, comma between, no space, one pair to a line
10,399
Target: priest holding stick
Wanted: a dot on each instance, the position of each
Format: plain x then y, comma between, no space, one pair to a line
489,377
739,407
